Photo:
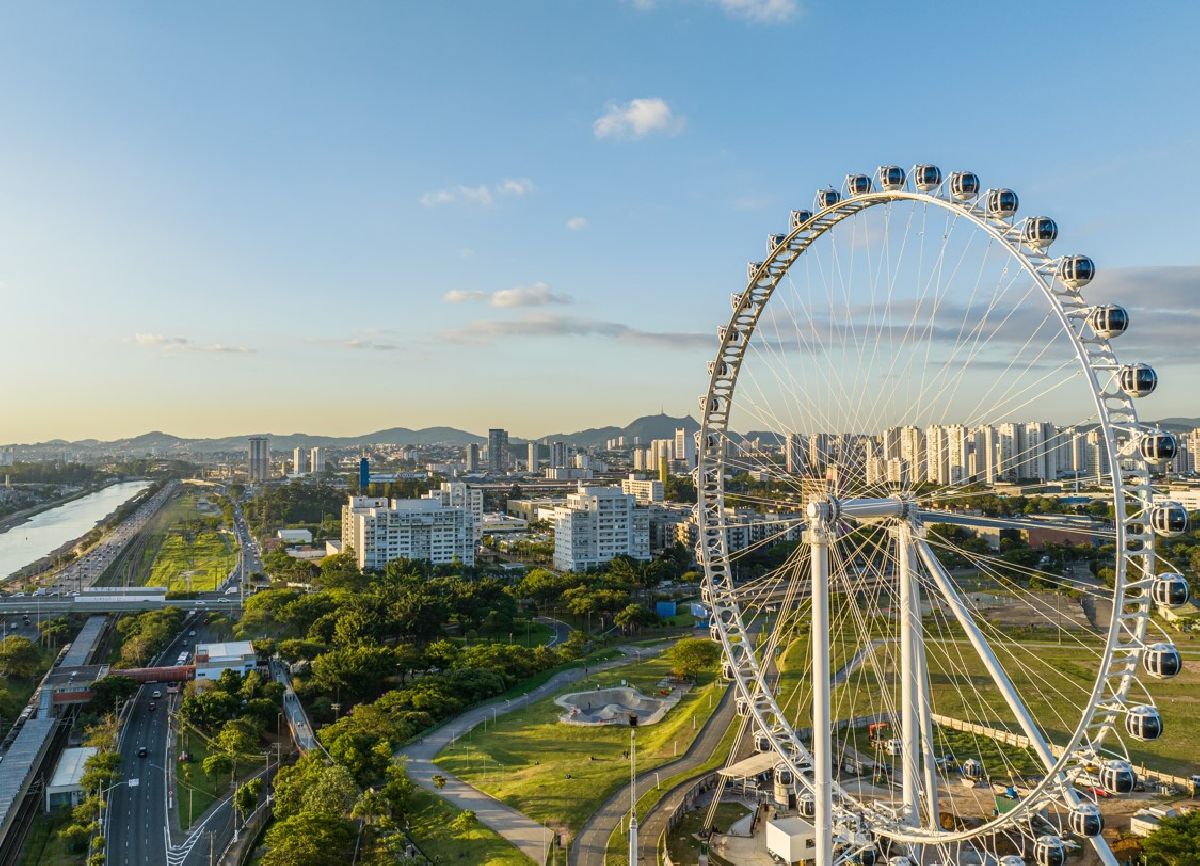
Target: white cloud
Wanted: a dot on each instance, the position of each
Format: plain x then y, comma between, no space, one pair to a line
484,196
758,11
637,119
577,224
535,295
762,11
183,344
547,325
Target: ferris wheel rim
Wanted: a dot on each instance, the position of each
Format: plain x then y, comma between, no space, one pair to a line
711,516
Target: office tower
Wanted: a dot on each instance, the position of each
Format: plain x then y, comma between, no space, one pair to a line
558,455
497,451
472,457
531,460
793,453
364,473
299,461
260,459
685,448
316,459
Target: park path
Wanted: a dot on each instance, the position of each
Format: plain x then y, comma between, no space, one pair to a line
530,837
591,845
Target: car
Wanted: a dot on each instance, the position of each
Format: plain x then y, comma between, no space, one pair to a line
153,706
192,633
142,751
222,601
156,694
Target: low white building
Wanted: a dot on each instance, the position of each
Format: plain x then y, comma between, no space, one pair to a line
645,490
597,524
792,839
294,536
66,785
212,659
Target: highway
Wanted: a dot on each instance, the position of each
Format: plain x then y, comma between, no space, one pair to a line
137,833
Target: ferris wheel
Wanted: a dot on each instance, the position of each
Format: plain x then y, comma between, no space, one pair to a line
902,646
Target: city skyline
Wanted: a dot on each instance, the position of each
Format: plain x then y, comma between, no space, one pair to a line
289,228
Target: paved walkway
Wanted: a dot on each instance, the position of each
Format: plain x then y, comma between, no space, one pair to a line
590,846
526,834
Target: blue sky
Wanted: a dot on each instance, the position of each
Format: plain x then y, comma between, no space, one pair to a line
221,218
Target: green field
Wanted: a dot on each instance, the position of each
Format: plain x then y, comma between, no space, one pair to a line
184,550
429,824
195,791
525,759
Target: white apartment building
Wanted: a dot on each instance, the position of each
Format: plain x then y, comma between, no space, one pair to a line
644,490
299,461
459,495
685,448
596,524
316,459
937,456
379,531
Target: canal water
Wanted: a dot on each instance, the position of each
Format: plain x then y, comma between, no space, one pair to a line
45,532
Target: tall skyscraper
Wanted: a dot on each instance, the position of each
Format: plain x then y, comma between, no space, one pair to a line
299,460
472,457
497,450
793,454
558,455
532,458
316,459
685,448
364,473
260,459
937,455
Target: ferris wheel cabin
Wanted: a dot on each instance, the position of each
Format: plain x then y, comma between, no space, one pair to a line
1040,232
1108,321
1049,851
1138,380
1144,723
927,177
964,185
1076,271
1158,446
827,197
1118,777
891,177
1086,821
858,184
1002,203
800,217
1170,589
1169,519
1162,661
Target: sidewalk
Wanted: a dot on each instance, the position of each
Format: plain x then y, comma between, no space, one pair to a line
527,835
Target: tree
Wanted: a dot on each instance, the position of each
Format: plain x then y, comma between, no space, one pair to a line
100,771
217,764
463,821
19,657
75,837
110,689
693,655
235,738
308,839
1176,842
633,617
245,798
439,781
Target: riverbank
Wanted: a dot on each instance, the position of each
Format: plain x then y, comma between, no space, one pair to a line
25,514
47,563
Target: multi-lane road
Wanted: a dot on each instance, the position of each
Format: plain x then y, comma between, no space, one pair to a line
137,820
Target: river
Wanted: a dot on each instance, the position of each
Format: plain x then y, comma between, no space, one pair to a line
45,532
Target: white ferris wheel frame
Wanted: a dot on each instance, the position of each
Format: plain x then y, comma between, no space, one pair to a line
1134,562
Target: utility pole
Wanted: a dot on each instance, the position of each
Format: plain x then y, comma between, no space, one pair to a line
633,828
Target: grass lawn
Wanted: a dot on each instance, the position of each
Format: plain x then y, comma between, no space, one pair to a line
479,846
42,845
195,791
525,758
648,799
525,633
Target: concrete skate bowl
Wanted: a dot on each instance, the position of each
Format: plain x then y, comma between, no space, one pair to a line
611,706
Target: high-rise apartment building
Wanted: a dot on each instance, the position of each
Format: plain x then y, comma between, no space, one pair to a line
260,459
316,460
459,495
596,524
685,448
299,460
937,456
472,458
558,455
497,451
379,531
531,460
793,454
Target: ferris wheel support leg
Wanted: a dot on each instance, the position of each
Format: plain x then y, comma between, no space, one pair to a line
946,587
822,745
911,677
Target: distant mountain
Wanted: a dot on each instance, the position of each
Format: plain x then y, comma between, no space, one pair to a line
646,428
1179,424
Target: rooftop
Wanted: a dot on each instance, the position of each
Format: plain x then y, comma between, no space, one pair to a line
228,649
70,767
